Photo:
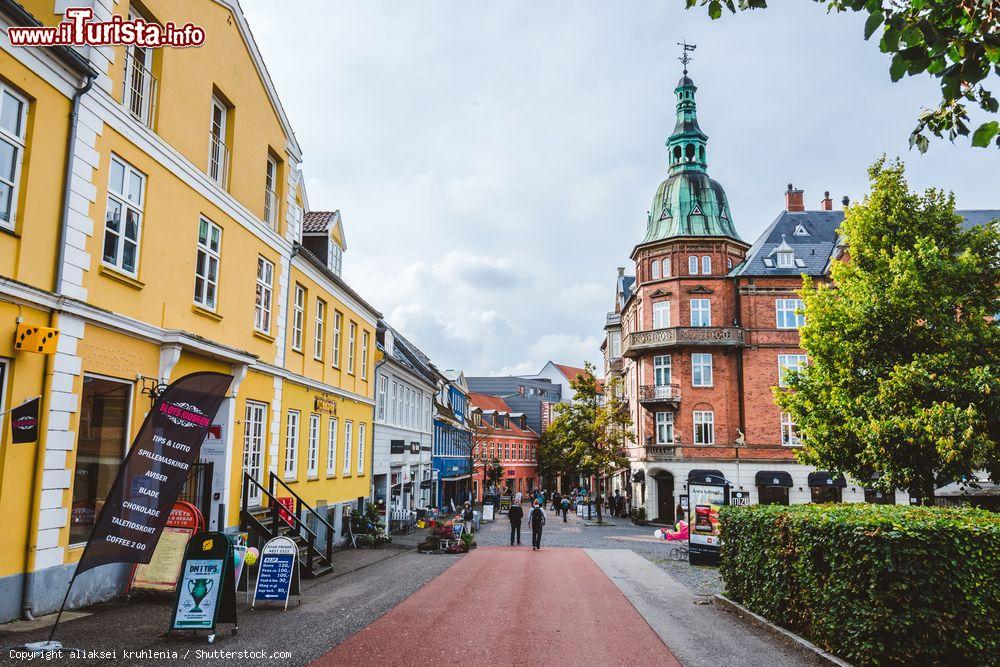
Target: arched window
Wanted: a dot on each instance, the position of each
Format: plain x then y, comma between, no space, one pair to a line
677,152
666,267
689,151
654,270
701,153
706,265
693,265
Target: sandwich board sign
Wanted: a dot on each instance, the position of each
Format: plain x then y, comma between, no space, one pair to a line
487,513
163,571
278,574
505,503
206,594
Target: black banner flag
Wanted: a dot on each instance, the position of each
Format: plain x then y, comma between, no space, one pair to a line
24,422
154,472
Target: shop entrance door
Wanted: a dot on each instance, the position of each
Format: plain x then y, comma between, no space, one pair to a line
664,497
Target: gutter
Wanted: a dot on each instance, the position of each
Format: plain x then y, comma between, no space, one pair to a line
28,587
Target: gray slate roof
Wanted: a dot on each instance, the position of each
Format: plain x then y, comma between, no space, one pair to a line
409,356
816,246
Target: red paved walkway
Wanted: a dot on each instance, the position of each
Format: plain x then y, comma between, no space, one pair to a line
510,606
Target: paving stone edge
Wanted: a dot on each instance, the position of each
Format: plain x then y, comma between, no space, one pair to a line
777,629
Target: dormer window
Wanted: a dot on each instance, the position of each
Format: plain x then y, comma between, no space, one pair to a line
334,256
800,231
786,260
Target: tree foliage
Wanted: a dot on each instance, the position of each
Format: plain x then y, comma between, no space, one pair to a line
903,380
955,41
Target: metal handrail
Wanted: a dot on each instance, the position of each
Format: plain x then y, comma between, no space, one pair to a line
271,208
218,160
139,90
299,504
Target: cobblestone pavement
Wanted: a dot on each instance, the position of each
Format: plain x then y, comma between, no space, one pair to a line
623,534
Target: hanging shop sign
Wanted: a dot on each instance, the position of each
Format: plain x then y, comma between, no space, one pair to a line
397,446
740,498
206,594
30,338
705,501
154,471
325,404
164,569
24,422
414,447
683,498
278,575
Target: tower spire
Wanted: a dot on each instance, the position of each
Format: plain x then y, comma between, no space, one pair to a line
685,50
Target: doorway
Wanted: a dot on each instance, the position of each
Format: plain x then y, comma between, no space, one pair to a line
664,497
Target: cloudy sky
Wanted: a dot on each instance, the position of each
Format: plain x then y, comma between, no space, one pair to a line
494,161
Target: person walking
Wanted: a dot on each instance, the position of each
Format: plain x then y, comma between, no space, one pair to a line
515,514
555,501
565,508
468,517
536,518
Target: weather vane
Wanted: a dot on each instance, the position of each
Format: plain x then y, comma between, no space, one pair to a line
685,58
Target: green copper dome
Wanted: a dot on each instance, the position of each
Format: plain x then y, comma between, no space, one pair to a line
688,203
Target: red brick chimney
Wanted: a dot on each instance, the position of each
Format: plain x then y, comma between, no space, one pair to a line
794,200
827,203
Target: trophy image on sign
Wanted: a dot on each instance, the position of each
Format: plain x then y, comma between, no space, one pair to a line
199,588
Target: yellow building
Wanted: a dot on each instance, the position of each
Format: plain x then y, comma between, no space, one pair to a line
163,228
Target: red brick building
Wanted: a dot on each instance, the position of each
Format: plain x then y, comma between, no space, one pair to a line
704,329
501,433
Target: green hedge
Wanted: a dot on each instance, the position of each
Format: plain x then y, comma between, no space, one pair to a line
874,584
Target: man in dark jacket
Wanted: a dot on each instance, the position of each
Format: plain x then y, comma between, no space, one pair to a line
515,514
565,508
536,517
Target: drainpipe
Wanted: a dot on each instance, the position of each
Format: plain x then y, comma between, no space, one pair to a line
739,361
28,586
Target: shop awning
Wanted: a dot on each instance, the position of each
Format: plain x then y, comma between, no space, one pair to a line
455,478
825,478
700,476
772,478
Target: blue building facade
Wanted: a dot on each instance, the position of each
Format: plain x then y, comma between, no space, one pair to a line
452,442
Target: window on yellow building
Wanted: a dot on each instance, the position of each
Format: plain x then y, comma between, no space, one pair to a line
348,434
338,320
362,447
312,454
206,270
319,330
271,193
298,315
262,302
331,447
364,355
123,220
351,341
13,124
292,444
139,85
218,151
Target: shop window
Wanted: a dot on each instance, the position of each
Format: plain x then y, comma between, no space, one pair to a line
100,449
826,494
772,495
876,497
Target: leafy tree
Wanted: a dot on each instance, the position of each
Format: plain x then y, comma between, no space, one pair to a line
554,452
956,41
903,380
591,431
493,472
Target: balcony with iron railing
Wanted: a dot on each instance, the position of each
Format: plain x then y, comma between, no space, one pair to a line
218,160
660,394
271,209
638,342
139,90
664,452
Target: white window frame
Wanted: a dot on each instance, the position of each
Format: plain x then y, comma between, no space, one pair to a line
123,199
18,142
786,311
664,428
362,447
254,439
661,314
693,265
211,257
138,98
662,370
705,418
348,434
338,324
292,444
789,438
616,344
395,398
703,307
666,267
271,201
352,336
331,447
702,361
786,260
264,295
298,316
312,454
364,355
334,256
706,264
218,151
319,329
383,393
654,269
789,362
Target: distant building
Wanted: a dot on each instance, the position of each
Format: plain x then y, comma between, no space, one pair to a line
532,396
502,433
452,440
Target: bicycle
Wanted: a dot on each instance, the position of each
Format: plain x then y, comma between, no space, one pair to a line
678,553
